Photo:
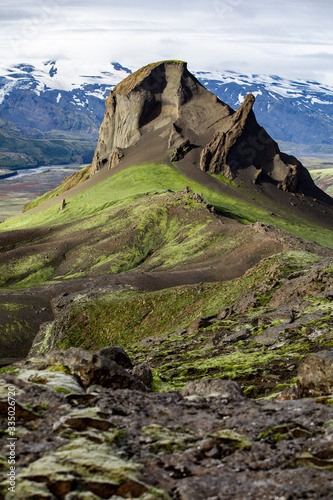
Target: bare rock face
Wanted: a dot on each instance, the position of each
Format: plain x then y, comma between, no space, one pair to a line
247,145
161,97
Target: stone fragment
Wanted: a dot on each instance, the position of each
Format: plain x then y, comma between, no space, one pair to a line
284,314
233,439
54,378
213,388
181,151
242,334
196,324
87,367
116,157
315,373
117,354
270,335
249,301
143,373
224,313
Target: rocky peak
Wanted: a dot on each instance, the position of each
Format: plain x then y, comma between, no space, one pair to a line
162,107
163,97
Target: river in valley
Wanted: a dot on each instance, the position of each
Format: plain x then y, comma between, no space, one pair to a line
27,184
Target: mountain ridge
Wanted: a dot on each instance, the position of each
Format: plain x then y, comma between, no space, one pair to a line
70,99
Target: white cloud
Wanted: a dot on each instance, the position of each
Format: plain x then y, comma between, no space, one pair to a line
292,38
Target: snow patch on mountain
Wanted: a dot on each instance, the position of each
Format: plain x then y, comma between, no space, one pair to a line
61,75
291,89
6,89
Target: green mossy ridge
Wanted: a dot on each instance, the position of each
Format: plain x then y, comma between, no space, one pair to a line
123,318
28,271
134,182
284,433
71,181
118,191
158,232
228,366
169,229
12,307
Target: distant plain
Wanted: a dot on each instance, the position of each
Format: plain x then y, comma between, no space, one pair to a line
18,190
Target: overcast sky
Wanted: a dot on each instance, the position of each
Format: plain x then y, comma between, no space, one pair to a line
290,38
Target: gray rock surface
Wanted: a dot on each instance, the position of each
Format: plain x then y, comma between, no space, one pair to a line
210,442
117,354
88,368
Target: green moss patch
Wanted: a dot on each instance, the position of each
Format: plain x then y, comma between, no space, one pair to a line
134,182
123,318
71,181
167,440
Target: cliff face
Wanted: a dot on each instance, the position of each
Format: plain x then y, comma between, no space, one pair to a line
247,144
161,97
167,102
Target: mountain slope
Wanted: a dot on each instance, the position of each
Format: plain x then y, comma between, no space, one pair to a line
45,110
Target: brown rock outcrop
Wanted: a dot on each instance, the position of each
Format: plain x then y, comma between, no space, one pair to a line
161,97
247,145
315,374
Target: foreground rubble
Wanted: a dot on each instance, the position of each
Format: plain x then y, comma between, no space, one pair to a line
96,431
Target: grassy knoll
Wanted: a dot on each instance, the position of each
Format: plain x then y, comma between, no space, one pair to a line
138,181
122,318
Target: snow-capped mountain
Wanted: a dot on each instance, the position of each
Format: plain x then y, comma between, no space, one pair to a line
57,96
61,100
294,111
62,75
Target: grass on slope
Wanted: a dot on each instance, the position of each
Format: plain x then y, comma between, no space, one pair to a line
122,318
149,324
154,327
68,183
136,181
166,231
